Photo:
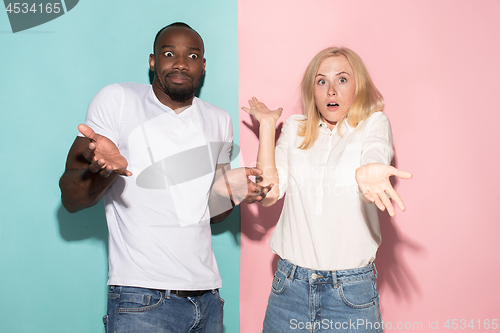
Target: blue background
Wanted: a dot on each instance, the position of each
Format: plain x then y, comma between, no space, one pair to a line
53,265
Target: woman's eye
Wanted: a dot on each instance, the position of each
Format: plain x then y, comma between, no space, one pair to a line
193,56
168,54
321,81
342,80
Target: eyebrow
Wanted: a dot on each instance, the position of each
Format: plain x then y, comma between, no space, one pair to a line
189,47
337,74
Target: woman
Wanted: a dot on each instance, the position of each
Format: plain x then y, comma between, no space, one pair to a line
332,164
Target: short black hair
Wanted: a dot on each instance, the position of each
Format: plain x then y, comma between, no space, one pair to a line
175,24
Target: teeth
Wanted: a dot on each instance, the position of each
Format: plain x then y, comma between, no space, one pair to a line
333,104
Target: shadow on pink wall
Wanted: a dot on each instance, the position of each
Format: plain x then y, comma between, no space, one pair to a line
258,226
394,273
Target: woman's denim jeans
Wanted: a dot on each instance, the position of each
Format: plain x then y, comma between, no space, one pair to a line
139,310
304,300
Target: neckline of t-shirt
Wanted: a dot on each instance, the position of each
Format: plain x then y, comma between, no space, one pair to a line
168,109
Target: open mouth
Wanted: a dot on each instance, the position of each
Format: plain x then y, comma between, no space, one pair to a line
332,104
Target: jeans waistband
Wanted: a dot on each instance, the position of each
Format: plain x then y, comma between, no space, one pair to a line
316,276
179,293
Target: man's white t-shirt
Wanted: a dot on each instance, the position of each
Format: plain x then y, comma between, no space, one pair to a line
158,218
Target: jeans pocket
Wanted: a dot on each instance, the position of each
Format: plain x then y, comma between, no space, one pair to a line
358,294
139,302
279,282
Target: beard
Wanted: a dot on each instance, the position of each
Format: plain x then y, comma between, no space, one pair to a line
179,93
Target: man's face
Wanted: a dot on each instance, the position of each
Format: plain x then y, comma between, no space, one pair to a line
178,63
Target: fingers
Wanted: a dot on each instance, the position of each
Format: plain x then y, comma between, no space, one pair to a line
383,200
366,197
257,192
87,131
264,191
255,103
106,171
89,152
258,104
96,166
400,173
387,204
253,171
396,198
122,172
378,202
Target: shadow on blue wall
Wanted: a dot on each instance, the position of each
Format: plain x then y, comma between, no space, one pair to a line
231,224
91,223
86,224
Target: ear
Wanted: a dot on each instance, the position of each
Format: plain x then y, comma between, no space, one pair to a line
152,62
204,64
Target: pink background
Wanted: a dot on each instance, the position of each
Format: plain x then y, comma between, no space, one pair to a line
436,64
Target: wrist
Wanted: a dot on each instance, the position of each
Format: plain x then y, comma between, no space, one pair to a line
267,123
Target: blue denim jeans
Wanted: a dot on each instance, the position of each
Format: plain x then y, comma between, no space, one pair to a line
304,300
139,310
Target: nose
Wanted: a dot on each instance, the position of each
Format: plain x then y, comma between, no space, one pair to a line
181,64
331,91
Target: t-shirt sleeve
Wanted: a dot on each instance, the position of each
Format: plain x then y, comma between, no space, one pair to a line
377,140
103,113
281,156
225,155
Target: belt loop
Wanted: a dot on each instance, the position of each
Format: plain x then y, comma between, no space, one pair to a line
375,270
167,294
292,273
334,279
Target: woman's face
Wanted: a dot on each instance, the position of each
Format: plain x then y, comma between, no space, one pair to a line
334,89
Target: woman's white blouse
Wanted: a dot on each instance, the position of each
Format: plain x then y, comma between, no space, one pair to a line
325,225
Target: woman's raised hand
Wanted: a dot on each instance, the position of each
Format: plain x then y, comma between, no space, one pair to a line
261,112
375,187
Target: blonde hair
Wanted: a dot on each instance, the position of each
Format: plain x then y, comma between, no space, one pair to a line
367,98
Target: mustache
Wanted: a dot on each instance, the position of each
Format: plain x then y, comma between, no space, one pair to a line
178,73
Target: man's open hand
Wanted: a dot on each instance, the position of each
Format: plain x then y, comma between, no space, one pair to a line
103,155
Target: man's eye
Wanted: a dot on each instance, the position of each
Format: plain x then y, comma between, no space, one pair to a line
321,81
342,80
193,56
168,54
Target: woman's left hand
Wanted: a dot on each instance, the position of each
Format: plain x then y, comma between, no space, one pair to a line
374,185
261,112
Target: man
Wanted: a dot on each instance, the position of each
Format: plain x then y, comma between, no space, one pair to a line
153,152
